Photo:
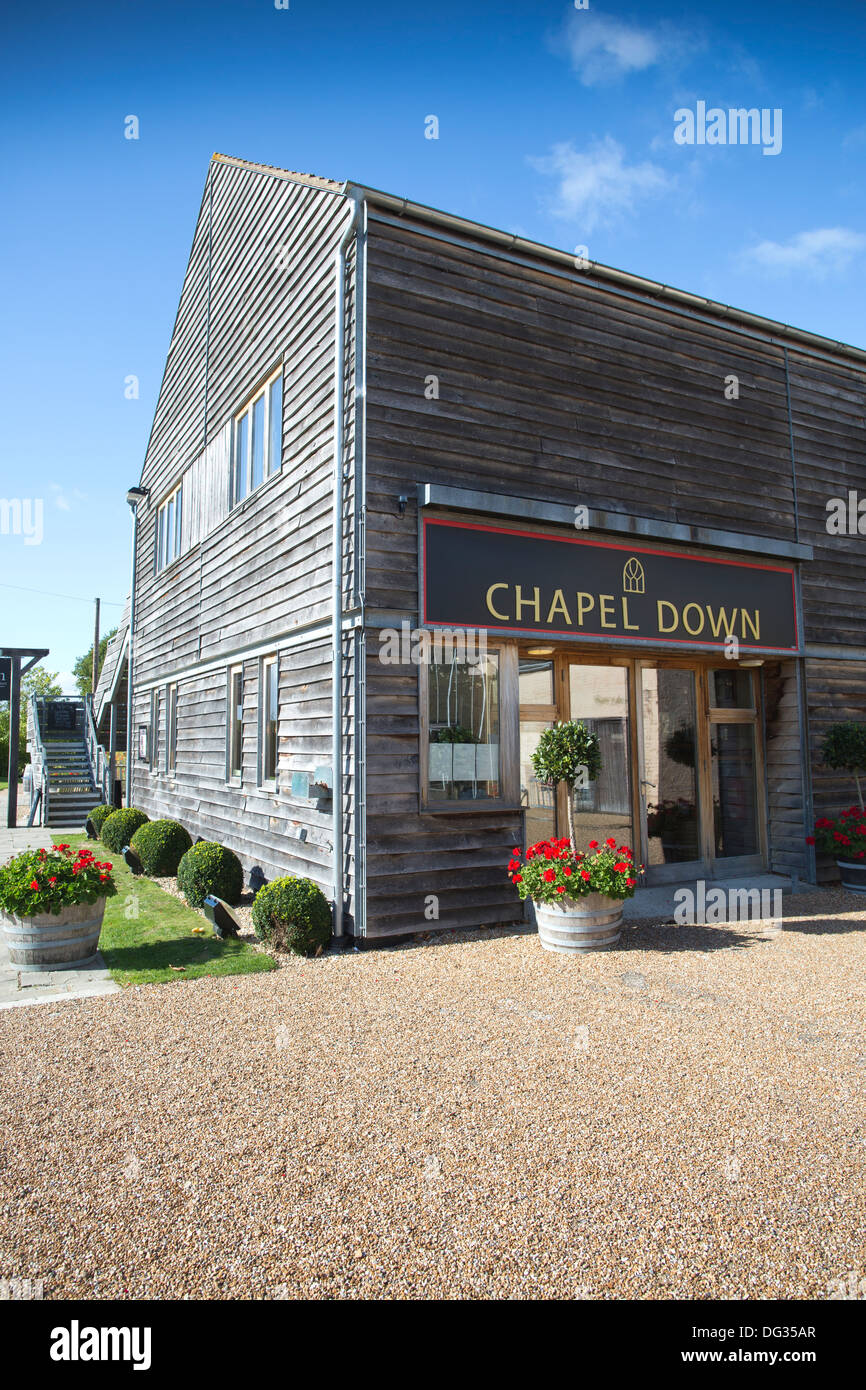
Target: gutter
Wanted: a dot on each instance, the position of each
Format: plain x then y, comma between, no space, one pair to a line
524,251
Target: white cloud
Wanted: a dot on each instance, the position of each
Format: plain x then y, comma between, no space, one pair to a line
823,252
602,50
595,186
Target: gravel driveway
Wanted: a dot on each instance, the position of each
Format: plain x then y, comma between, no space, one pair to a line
469,1117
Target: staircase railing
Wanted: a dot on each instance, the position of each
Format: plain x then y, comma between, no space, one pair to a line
95,751
39,789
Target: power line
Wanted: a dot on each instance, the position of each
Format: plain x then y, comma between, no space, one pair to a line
46,593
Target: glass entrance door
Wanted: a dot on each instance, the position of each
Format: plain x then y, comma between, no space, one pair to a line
599,696
670,778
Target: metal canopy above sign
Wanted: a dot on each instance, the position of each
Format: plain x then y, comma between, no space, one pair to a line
529,582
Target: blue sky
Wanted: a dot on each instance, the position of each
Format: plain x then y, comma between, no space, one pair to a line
554,122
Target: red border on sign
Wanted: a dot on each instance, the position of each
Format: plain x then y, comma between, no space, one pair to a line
598,545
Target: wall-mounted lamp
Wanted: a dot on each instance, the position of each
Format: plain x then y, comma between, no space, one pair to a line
136,495
401,502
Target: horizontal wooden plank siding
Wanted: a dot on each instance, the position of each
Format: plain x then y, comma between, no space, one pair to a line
785,755
254,578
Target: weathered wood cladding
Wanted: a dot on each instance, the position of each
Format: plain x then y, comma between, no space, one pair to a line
564,391
784,772
260,290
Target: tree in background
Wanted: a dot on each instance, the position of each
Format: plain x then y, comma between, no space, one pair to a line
83,668
42,684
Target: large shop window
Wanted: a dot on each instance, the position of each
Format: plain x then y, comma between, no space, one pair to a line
463,730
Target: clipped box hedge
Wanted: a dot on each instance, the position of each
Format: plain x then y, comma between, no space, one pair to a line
119,828
160,845
209,868
294,915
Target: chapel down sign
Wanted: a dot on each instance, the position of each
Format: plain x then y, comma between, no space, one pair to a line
524,581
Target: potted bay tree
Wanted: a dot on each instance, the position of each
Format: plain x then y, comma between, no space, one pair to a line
577,895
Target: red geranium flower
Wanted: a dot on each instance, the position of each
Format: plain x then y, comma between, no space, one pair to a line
611,843
593,844
549,875
35,885
584,873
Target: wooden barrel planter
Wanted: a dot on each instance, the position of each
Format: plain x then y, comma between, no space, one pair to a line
591,923
49,941
853,875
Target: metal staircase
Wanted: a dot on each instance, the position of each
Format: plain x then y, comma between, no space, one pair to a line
68,773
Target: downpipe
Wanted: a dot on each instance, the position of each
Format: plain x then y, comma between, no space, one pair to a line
337,546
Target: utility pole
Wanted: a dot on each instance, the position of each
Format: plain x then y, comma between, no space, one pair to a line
95,666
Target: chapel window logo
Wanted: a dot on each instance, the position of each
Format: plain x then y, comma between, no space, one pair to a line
633,577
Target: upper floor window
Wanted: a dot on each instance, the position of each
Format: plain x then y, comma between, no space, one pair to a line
258,438
168,529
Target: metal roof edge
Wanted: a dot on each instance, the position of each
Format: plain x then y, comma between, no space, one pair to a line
640,285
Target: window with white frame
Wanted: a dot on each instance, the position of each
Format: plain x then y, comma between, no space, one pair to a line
171,728
257,451
154,730
268,719
235,735
168,529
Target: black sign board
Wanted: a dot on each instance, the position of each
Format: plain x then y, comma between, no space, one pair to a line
59,715
528,582
5,677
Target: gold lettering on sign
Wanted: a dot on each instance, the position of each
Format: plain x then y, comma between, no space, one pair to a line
585,604
521,602
693,631
671,627
605,604
503,616
721,618
629,627
558,606
755,626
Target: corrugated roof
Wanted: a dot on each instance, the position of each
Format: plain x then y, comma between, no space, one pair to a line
312,180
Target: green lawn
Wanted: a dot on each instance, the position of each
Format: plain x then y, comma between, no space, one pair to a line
140,950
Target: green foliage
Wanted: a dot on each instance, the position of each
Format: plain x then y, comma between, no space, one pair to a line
83,667
555,873
293,914
564,750
99,815
210,869
160,845
41,881
844,747
37,682
119,827
455,733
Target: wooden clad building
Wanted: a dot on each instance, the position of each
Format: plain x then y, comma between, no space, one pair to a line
598,497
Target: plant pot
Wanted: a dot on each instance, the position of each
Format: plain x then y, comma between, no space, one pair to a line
591,923
51,941
853,874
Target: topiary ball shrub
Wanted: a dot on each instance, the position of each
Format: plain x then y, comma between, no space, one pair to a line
209,868
160,845
98,816
119,827
292,914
